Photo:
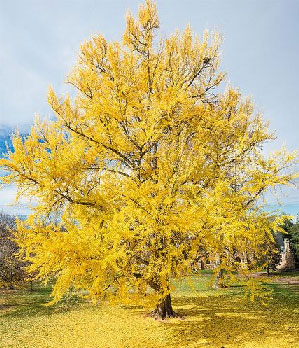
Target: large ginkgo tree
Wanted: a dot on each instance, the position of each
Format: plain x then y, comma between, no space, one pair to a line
148,168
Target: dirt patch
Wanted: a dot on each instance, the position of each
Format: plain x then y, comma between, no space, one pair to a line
279,278
5,308
9,291
285,280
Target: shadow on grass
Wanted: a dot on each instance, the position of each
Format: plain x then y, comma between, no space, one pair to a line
24,303
225,320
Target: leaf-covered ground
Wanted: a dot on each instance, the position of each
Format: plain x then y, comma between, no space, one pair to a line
210,319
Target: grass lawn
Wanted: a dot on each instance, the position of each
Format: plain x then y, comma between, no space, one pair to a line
211,318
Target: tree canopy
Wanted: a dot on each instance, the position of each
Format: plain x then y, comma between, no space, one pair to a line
148,167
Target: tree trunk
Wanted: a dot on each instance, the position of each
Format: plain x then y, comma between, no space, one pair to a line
164,309
219,281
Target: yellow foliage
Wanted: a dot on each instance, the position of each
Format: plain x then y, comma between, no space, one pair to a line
147,169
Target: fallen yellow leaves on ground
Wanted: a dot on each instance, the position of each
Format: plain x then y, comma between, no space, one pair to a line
209,319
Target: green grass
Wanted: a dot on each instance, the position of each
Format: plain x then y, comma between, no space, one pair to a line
211,318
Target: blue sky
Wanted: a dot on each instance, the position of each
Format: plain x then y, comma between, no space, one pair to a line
40,40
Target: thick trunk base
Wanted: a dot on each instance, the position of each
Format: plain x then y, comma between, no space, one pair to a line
164,309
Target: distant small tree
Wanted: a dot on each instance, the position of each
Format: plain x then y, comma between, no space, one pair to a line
292,229
287,224
273,256
11,268
294,239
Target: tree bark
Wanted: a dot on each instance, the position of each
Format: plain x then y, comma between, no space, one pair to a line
164,309
219,281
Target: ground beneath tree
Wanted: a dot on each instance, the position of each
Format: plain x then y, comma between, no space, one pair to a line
212,319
